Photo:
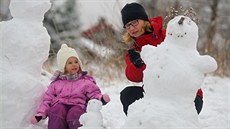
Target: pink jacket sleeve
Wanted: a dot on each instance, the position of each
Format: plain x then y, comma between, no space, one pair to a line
46,101
92,90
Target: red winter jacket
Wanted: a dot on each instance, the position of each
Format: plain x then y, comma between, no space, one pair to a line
135,74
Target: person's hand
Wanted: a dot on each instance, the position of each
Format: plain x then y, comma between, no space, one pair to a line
34,120
135,58
105,99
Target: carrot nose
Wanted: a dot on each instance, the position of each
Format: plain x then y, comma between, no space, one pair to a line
180,22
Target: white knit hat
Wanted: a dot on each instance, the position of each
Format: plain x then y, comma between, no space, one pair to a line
64,54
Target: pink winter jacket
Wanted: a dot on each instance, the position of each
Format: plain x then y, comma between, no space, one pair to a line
70,92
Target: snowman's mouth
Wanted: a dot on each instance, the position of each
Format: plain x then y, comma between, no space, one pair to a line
177,35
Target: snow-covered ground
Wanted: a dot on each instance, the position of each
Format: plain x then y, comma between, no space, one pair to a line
214,115
216,108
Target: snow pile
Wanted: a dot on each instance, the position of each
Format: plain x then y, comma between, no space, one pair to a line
175,70
93,117
24,48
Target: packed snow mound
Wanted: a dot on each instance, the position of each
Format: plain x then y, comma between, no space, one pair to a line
93,117
29,9
174,72
24,48
176,65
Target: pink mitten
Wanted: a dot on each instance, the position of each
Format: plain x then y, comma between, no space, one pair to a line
33,121
105,99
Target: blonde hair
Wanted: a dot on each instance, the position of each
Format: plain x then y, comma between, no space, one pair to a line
128,38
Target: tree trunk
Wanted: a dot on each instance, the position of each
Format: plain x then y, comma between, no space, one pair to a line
212,28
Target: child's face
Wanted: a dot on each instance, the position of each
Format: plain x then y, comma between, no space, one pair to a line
135,27
72,65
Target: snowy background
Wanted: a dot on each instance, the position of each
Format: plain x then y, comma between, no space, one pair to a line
21,84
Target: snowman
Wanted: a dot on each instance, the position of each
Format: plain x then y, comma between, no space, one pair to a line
174,71
92,119
176,63
24,48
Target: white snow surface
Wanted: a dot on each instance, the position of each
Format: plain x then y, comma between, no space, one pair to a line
24,46
214,115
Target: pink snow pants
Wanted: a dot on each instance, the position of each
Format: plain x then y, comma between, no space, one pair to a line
64,116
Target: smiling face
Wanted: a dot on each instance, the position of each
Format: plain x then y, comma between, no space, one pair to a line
72,66
135,28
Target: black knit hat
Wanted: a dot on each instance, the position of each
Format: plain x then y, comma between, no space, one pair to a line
133,11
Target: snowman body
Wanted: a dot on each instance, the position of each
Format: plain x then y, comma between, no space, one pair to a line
24,48
174,72
93,117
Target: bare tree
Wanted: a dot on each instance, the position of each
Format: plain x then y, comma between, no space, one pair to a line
212,28
4,10
63,24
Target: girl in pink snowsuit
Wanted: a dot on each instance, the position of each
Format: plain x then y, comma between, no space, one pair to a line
66,98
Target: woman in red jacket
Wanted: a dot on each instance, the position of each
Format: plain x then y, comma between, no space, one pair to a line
140,31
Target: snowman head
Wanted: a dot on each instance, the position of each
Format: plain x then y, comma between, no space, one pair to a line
94,105
29,9
183,31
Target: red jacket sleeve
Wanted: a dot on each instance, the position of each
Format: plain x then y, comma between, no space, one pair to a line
199,93
133,73
157,24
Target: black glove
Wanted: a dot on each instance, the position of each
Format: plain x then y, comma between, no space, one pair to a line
38,118
103,101
198,103
135,58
